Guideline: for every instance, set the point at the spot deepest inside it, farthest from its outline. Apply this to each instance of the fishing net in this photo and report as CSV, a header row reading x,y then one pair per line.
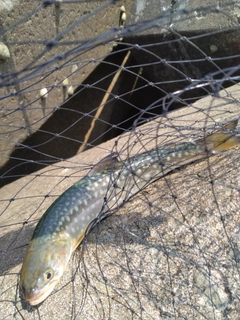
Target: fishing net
x,y
80,80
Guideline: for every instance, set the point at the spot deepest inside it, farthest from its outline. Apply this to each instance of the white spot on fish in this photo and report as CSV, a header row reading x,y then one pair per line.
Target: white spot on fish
x,y
96,194
147,176
67,218
173,155
96,184
168,158
139,171
180,155
76,208
85,202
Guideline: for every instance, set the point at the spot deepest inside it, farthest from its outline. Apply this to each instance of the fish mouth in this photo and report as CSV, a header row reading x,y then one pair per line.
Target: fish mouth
x,y
35,296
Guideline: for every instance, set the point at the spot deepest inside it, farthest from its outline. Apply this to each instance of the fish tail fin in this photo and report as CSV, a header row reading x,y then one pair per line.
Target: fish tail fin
x,y
223,139
230,143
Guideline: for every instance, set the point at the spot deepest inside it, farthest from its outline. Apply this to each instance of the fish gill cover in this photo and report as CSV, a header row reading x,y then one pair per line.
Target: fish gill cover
x,y
82,80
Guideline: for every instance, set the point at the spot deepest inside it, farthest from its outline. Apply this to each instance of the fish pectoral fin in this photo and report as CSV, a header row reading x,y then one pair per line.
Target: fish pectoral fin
x,y
79,241
106,164
85,233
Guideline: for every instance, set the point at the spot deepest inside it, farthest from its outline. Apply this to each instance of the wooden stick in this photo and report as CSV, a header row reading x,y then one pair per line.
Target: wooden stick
x,y
103,102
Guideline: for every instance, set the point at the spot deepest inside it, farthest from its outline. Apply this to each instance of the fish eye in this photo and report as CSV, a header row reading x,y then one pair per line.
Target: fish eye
x,y
48,274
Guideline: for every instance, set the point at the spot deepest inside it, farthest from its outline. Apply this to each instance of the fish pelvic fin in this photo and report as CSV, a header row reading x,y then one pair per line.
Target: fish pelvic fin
x,y
222,139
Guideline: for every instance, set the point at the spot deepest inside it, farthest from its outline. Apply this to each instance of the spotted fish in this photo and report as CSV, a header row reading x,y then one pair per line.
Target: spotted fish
x,y
111,183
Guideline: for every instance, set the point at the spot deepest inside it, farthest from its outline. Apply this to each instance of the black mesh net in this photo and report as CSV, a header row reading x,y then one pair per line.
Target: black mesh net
x,y
80,80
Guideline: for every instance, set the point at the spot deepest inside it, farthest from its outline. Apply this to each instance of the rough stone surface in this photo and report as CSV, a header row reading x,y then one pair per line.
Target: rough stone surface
x,y
171,252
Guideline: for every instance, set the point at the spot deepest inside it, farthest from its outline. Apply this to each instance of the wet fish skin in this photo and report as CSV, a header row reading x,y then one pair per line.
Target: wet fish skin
x,y
110,184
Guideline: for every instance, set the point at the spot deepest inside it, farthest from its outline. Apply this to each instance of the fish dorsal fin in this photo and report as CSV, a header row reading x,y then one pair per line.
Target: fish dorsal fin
x,y
108,163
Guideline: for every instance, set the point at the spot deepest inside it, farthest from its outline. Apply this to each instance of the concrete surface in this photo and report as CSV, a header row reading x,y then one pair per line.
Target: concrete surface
x,y
62,134
183,40
26,27
171,252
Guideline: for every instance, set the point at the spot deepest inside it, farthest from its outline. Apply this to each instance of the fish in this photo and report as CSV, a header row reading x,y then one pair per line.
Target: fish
x,y
105,188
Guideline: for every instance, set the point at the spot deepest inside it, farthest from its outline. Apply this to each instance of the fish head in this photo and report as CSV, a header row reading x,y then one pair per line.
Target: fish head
x,y
43,266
